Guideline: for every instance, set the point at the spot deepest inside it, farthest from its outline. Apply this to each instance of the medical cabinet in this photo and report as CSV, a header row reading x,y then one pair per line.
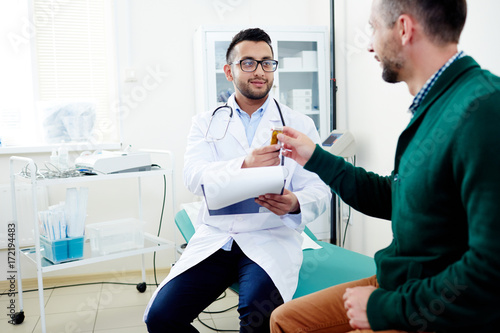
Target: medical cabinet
x,y
300,82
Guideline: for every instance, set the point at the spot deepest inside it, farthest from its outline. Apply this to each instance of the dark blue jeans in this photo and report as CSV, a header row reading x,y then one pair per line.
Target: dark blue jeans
x,y
183,298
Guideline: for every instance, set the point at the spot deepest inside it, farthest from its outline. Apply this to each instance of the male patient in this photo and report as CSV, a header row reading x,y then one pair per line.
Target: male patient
x,y
441,272
262,252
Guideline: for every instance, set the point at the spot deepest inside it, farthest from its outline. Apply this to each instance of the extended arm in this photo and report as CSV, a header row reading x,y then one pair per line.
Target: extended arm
x,y
365,191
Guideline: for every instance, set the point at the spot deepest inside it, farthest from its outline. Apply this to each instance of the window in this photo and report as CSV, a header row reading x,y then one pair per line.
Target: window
x,y
63,75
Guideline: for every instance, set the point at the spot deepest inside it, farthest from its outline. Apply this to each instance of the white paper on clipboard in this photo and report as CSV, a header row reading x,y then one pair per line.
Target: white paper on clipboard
x,y
224,189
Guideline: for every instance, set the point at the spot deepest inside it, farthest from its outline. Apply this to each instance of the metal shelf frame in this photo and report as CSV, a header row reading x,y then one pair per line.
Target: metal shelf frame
x,y
151,243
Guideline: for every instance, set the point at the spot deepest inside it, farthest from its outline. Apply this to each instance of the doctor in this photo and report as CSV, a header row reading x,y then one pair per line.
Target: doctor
x,y
262,252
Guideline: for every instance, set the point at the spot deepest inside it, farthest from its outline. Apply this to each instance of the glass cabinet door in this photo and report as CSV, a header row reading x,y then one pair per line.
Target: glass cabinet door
x,y
224,87
301,81
298,77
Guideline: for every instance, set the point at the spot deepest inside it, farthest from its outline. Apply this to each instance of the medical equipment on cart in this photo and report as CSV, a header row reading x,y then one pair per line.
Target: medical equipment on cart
x,y
108,162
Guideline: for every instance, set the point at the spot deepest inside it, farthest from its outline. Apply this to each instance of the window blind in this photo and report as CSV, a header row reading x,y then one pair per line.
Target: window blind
x,y
74,59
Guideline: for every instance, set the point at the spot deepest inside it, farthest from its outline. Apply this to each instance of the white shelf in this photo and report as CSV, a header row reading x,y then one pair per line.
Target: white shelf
x,y
298,70
309,113
151,244
90,178
72,146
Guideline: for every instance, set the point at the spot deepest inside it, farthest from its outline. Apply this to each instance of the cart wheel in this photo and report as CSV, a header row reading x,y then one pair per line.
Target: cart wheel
x,y
18,318
141,287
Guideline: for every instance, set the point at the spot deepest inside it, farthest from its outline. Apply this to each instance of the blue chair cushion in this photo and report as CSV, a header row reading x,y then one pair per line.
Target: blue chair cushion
x,y
184,225
329,266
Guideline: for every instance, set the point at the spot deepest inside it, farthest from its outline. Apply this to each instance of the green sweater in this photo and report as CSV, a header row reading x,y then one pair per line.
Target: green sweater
x,y
442,270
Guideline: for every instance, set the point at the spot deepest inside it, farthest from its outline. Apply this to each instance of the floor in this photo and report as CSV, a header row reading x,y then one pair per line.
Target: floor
x,y
104,308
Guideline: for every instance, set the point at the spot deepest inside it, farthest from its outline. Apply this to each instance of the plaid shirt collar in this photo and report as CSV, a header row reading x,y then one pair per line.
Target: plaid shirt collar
x,y
419,97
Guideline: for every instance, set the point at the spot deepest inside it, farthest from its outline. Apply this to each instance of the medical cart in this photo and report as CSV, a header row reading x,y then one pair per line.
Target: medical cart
x,y
151,242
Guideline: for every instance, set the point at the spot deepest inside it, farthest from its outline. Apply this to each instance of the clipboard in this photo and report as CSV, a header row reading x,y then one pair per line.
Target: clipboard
x,y
247,206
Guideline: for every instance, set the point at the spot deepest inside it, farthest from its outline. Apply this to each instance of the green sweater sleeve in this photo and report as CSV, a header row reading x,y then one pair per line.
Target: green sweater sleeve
x,y
364,191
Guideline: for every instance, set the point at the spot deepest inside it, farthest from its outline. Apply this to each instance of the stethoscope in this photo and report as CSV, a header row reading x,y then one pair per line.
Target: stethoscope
x,y
223,115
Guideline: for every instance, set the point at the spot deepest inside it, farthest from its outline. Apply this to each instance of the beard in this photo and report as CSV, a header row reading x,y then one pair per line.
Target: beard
x,y
246,90
392,62
390,71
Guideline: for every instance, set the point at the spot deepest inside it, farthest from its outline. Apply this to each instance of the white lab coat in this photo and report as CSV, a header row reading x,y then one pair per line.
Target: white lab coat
x,y
273,242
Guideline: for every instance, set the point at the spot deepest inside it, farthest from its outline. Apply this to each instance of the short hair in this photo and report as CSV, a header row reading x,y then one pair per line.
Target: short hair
x,y
252,34
442,20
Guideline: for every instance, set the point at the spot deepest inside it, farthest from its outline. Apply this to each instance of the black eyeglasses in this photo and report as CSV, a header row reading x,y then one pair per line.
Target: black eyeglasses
x,y
250,65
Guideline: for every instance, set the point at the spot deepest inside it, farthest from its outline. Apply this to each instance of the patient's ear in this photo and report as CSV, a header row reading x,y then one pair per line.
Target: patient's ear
x,y
406,28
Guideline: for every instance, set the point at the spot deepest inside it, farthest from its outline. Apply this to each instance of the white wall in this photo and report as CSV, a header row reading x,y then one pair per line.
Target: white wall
x,y
375,111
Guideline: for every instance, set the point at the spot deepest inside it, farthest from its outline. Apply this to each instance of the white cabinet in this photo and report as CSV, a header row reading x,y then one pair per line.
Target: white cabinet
x,y
151,242
301,81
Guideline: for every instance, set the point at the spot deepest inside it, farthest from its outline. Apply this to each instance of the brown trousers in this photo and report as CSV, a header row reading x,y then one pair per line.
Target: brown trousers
x,y
320,312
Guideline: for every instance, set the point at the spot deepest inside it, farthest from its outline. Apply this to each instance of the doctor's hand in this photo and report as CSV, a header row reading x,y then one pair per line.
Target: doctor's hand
x,y
355,302
280,204
263,156
296,145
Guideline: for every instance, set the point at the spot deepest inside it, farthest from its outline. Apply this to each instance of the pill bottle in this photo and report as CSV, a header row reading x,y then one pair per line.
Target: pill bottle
x,y
274,137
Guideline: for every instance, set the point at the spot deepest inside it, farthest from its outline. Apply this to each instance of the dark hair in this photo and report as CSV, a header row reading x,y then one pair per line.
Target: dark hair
x,y
442,20
253,34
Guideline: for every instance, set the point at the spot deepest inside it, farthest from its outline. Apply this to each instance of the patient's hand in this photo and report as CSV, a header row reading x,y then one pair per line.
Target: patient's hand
x,y
355,302
296,145
280,204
